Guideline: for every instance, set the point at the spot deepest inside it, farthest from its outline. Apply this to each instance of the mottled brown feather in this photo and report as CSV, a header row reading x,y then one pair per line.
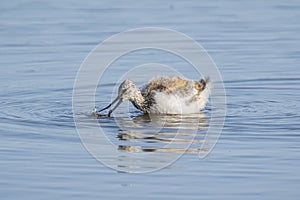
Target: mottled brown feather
x,y
167,85
200,86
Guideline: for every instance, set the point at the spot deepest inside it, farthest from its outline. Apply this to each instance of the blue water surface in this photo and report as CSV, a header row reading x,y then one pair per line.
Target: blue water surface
x,y
255,45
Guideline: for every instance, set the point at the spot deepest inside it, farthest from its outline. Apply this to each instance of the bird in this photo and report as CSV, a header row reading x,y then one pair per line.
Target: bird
x,y
164,95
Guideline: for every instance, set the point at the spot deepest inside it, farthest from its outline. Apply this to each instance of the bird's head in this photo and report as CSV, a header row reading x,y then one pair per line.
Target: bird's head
x,y
127,91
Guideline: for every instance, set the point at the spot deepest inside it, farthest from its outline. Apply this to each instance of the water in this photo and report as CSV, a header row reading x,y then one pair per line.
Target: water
x,y
256,48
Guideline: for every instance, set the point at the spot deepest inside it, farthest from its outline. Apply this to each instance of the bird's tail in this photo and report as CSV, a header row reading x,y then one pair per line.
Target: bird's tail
x,y
204,83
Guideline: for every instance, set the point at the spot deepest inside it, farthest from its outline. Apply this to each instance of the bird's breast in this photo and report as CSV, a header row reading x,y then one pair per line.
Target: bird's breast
x,y
173,104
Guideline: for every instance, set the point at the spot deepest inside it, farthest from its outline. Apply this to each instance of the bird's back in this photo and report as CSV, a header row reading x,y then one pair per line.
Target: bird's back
x,y
174,95
166,85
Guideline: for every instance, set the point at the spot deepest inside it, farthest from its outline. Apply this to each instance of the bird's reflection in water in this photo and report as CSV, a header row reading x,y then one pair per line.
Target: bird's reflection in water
x,y
162,133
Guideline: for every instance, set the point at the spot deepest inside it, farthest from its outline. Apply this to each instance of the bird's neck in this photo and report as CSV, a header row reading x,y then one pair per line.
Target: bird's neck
x,y
139,100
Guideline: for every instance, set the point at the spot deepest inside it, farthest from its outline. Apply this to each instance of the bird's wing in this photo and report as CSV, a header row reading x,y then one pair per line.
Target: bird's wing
x,y
167,85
